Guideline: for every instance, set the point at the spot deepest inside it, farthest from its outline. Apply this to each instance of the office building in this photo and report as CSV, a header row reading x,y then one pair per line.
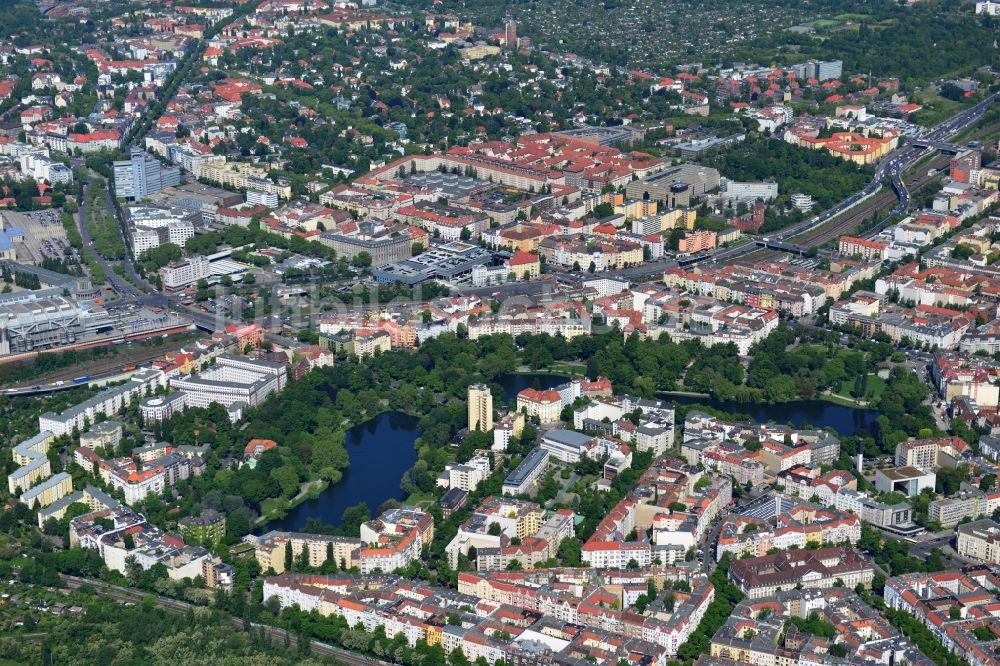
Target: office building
x,y
480,408
821,70
232,381
43,168
152,226
141,176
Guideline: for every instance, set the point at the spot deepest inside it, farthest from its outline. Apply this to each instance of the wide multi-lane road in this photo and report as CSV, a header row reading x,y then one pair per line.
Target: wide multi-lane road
x,y
889,171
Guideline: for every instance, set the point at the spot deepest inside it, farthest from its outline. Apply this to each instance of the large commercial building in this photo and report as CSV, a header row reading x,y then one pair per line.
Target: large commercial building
x,y
142,175
235,382
480,408
382,250
820,568
31,323
152,226
211,267
676,186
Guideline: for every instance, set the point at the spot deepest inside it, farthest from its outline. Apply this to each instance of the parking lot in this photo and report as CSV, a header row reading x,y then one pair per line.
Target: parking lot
x,y
44,235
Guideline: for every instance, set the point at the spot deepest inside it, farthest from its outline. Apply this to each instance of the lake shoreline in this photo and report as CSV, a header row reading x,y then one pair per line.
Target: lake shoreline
x,y
822,412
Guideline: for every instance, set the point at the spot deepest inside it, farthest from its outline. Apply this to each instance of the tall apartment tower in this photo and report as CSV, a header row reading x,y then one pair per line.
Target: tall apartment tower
x,y
142,175
510,33
480,408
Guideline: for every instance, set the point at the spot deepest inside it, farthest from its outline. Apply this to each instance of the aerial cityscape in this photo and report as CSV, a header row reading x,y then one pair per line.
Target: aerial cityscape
x,y
454,333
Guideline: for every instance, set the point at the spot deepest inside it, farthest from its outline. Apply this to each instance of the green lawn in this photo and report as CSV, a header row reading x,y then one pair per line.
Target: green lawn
x,y
420,499
562,367
936,108
875,387
823,24
273,504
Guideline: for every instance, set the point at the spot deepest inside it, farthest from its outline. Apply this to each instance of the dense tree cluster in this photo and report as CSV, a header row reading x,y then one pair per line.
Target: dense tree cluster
x,y
891,40
924,638
107,632
727,595
825,178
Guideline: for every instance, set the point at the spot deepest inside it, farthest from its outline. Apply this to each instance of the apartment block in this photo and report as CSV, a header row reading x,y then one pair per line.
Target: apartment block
x,y
48,491
467,475
274,548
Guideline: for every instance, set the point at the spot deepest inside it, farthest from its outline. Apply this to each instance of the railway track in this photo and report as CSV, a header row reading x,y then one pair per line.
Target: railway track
x,y
851,219
128,355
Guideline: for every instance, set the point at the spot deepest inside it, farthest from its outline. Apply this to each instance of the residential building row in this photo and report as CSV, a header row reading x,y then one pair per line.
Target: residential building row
x,y
392,541
552,615
669,509
956,606
802,525
762,631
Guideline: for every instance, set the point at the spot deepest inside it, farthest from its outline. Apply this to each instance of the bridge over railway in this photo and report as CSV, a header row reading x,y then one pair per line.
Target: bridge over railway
x,y
940,146
781,246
